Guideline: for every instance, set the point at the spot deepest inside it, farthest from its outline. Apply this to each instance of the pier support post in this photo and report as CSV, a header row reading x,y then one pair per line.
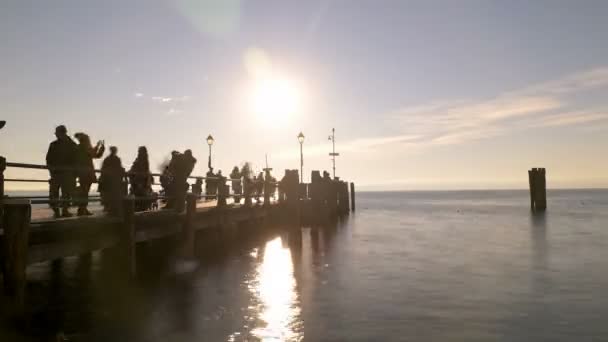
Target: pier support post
x,y
352,196
128,236
2,168
188,235
538,189
16,225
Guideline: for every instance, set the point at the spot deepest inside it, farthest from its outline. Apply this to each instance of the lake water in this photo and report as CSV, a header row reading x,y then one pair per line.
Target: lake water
x,y
407,266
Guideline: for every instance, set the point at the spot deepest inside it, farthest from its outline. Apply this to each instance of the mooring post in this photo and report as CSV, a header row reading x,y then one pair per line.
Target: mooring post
x,y
128,236
16,225
345,197
538,189
541,190
352,196
531,183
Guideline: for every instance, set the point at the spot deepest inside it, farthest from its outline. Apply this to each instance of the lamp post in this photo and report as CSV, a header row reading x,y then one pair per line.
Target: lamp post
x,y
210,141
301,140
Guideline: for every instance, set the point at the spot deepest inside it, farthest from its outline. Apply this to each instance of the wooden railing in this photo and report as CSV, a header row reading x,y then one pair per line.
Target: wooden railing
x,y
220,195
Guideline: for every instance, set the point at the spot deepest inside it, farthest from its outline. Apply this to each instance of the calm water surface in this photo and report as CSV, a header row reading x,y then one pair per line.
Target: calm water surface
x,y
411,266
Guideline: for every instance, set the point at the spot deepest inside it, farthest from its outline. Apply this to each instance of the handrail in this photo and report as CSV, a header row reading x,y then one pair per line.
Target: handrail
x,y
127,173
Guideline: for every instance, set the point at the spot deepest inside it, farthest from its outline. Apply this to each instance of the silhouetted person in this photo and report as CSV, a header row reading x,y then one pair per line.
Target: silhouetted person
x,y
166,179
237,187
141,179
111,185
184,164
197,187
86,169
259,187
171,181
222,189
247,186
61,156
269,187
210,183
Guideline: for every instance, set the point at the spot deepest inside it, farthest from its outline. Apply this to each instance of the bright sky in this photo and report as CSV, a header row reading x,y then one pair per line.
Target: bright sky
x,y
423,94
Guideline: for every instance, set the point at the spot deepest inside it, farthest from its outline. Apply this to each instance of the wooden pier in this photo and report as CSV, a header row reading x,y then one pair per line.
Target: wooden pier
x,y
26,239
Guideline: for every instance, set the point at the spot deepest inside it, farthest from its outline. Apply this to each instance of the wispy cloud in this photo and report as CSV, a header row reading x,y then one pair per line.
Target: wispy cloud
x,y
163,99
173,111
546,104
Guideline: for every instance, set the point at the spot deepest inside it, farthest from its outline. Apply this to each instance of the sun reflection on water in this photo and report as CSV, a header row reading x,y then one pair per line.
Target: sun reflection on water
x,y
274,287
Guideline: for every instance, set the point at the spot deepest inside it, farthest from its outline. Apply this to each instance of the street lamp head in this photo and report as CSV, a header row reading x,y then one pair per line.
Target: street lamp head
x,y
301,138
210,140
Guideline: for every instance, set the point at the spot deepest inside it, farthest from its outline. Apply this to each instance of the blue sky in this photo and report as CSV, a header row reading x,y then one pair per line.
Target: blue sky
x,y
423,94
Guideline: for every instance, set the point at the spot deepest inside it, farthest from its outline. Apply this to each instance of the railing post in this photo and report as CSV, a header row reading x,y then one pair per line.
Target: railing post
x,y
16,225
352,196
128,235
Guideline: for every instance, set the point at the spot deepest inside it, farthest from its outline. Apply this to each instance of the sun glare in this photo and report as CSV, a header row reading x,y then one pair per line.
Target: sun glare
x,y
275,100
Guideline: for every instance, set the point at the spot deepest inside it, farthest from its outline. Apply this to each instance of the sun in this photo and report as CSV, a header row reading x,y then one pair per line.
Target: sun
x,y
275,100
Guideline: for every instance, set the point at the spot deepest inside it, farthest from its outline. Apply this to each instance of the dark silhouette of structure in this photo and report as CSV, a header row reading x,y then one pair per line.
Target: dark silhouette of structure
x,y
61,158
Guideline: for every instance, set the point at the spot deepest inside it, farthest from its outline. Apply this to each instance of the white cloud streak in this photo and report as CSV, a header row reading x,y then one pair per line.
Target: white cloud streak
x,y
162,99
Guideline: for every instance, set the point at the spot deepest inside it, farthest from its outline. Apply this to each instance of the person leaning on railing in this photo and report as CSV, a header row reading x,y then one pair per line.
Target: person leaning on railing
x,y
61,159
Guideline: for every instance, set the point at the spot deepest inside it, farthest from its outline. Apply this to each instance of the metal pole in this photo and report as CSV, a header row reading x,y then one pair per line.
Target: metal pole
x,y
209,156
333,143
301,165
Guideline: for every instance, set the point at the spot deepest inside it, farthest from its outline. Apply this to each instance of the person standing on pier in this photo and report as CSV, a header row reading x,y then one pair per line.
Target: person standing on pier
x,y
141,179
86,169
111,183
183,166
259,187
61,156
269,186
210,183
247,186
237,187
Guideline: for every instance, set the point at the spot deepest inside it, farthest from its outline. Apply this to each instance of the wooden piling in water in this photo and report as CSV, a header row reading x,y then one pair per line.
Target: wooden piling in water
x,y
538,189
352,196
128,243
16,225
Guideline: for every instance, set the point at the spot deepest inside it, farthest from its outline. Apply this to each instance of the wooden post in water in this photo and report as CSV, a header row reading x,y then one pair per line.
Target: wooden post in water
x,y
16,225
352,196
128,236
538,189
